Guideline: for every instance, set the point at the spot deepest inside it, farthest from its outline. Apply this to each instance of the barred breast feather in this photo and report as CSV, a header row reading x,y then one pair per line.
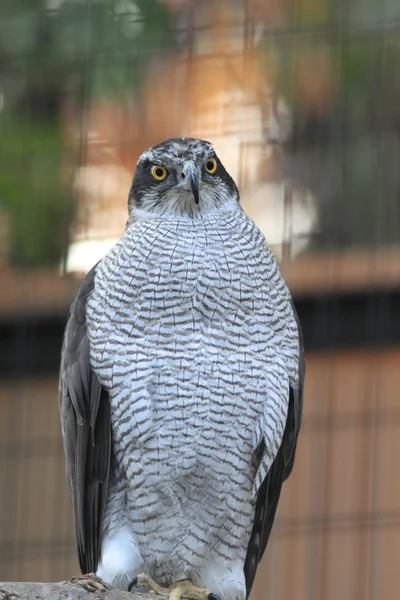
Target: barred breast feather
x,y
193,334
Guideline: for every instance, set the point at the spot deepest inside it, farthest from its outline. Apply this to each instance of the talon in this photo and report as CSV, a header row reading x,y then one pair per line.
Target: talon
x,y
133,583
144,580
186,589
176,591
90,582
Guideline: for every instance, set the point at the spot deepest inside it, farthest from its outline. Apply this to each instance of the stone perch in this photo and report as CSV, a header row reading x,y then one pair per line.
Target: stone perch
x,y
78,588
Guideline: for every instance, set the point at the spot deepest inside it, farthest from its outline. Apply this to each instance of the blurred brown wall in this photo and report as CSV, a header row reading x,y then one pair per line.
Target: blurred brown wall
x,y
337,531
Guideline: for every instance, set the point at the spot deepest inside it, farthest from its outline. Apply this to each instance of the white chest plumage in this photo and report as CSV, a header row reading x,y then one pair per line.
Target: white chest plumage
x,y
192,334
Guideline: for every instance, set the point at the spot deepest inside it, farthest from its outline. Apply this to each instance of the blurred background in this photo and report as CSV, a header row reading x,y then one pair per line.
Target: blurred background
x,y
301,99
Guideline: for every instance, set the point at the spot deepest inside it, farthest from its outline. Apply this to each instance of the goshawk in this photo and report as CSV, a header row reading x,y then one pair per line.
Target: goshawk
x,y
181,387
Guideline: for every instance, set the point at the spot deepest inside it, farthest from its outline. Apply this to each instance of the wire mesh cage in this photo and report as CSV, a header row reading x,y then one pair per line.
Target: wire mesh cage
x,y
301,101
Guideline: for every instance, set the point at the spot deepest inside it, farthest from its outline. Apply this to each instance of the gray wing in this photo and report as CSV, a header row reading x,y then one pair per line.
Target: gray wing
x,y
86,431
270,490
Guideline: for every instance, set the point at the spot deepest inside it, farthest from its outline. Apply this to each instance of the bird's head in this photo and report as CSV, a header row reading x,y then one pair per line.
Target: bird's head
x,y
180,177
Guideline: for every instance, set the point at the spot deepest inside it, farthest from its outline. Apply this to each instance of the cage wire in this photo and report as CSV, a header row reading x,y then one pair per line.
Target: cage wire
x,y
300,99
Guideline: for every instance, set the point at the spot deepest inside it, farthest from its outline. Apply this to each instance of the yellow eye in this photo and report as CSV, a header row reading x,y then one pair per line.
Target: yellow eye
x,y
159,173
211,165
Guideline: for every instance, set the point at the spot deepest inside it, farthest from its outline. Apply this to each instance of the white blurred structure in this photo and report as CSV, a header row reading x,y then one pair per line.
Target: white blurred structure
x,y
102,192
286,218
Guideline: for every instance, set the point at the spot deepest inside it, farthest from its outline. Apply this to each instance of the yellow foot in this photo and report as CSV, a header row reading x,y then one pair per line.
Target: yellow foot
x,y
90,582
144,580
186,589
176,591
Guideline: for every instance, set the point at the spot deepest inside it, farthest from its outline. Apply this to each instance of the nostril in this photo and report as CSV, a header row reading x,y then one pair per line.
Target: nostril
x,y
182,175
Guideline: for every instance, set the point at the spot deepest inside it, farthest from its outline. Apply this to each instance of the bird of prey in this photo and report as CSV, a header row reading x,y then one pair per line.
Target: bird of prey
x,y
181,387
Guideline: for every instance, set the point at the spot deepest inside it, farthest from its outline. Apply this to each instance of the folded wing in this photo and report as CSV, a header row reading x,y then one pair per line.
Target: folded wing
x,y
86,431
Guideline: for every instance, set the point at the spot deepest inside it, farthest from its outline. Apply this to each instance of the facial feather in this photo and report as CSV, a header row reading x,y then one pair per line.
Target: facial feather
x,y
149,197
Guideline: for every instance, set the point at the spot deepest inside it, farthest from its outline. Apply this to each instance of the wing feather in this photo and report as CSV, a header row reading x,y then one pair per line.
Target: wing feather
x,y
270,490
86,431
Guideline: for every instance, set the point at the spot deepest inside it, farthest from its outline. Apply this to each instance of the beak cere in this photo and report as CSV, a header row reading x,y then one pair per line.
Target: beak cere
x,y
194,185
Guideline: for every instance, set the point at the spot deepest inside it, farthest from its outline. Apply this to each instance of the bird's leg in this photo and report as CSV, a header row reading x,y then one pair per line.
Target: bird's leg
x,y
144,580
186,589
176,591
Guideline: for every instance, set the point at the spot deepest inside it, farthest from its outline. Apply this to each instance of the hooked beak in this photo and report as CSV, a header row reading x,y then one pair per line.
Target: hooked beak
x,y
194,184
191,182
